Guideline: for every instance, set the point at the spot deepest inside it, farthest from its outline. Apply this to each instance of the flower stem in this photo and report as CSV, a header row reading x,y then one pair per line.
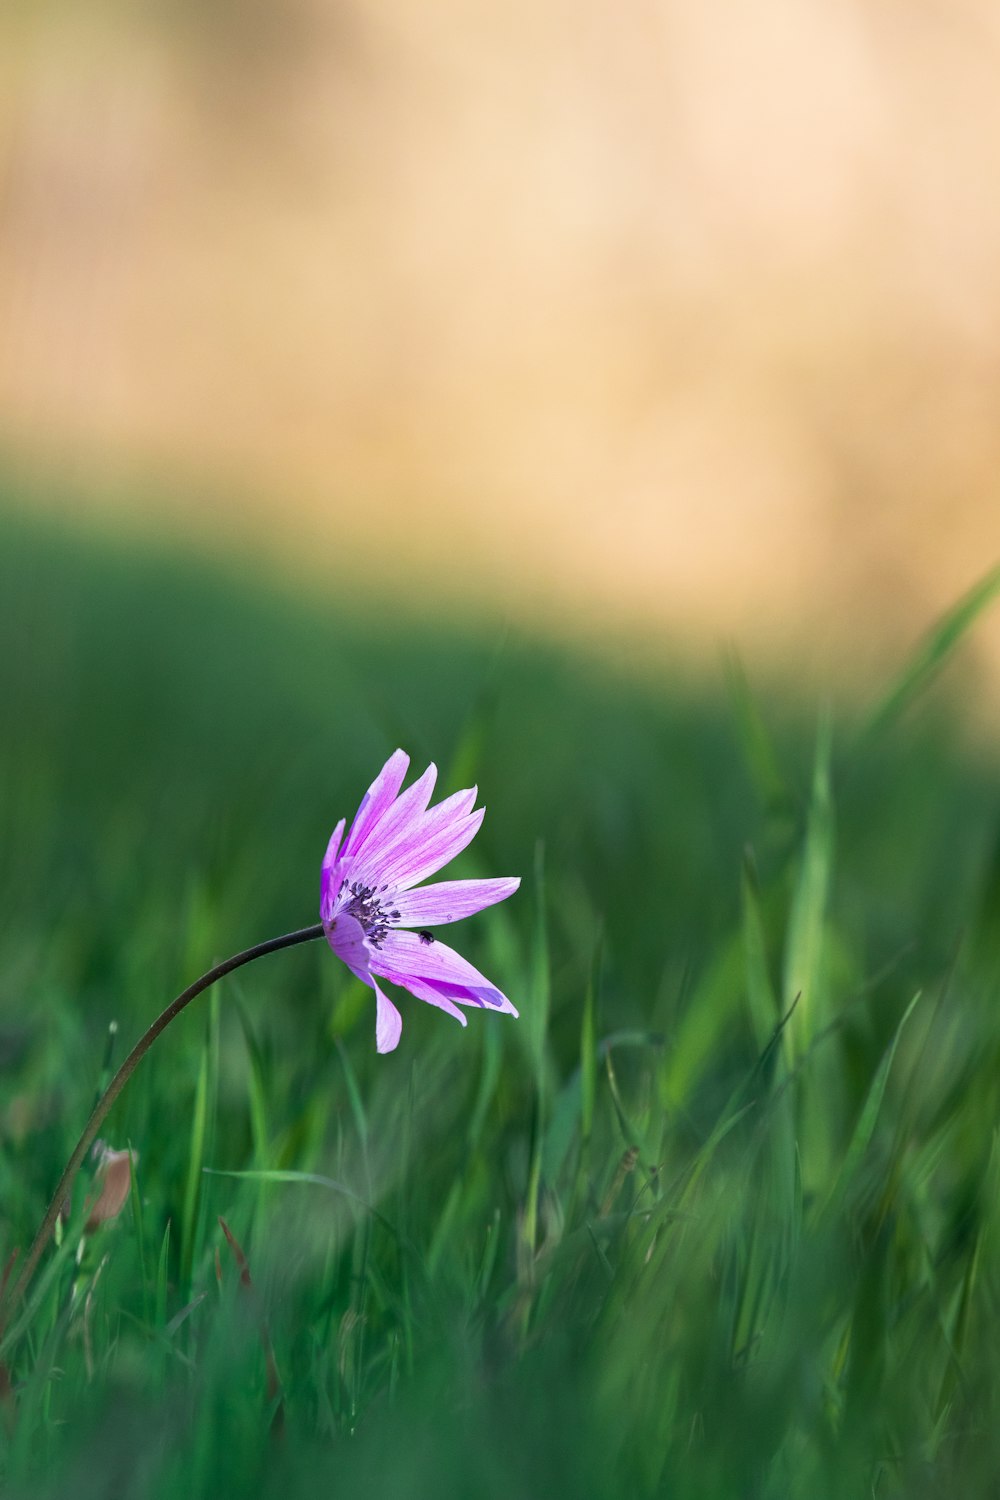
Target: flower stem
x,y
114,1088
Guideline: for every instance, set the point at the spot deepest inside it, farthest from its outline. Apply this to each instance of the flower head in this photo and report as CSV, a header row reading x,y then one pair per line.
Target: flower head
x,y
368,900
113,1180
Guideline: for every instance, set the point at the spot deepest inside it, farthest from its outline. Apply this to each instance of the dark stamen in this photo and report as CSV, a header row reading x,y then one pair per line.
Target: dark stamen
x,y
367,909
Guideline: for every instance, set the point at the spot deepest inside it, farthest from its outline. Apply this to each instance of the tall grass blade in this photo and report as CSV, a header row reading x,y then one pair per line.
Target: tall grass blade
x,y
711,1010
200,1132
761,998
163,1279
588,1049
536,1021
933,653
864,1130
804,955
755,739
259,1121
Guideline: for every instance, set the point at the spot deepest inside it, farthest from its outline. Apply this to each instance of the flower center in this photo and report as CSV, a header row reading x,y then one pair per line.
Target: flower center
x,y
366,907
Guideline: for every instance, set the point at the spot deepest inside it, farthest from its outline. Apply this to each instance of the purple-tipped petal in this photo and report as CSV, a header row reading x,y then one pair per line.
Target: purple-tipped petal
x,y
327,885
431,847
346,937
400,833
394,824
388,1023
378,798
450,900
426,991
405,956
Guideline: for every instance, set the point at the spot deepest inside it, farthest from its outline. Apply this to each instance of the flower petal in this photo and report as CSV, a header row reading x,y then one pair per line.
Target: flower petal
x,y
432,843
379,796
388,1023
405,956
346,937
450,900
327,885
406,825
426,991
394,823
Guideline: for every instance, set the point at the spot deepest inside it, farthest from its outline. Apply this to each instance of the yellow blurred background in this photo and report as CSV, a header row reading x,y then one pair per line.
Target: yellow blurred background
x,y
634,320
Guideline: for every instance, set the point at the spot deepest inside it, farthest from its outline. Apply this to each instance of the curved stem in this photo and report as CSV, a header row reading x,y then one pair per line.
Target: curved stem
x,y
114,1088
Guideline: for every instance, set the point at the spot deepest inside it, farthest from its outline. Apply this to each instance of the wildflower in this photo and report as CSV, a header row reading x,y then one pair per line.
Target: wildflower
x,y
368,901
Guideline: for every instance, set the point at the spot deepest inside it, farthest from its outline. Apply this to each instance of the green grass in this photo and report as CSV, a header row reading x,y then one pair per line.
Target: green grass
x,y
718,1216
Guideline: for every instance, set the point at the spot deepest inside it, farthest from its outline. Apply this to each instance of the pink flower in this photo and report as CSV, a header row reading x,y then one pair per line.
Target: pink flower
x,y
368,900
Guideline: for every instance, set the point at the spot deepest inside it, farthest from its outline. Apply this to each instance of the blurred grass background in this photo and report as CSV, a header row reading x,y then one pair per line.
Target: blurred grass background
x,y
459,378
716,1216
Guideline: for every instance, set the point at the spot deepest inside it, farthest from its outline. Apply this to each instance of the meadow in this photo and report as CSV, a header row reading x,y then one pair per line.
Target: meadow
x,y
716,1217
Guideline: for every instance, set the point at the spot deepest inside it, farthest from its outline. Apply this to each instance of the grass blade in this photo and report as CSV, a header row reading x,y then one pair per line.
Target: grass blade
x,y
755,740
200,1130
865,1127
803,976
933,652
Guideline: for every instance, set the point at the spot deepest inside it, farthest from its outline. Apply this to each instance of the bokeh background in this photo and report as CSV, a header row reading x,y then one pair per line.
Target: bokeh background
x,y
637,329
666,320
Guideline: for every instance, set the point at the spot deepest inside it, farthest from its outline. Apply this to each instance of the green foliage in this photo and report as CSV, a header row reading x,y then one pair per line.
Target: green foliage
x,y
717,1217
